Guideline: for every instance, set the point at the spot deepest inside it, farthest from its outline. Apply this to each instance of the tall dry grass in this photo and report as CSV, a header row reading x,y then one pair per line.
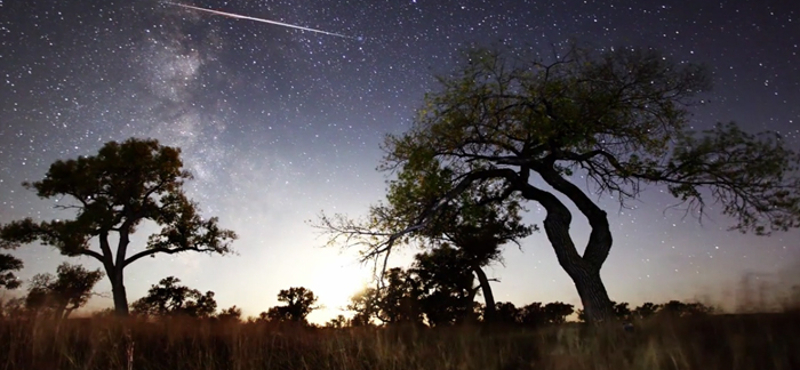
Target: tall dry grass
x,y
731,342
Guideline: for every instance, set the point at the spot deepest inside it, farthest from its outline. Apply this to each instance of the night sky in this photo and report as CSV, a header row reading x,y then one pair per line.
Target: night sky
x,y
279,124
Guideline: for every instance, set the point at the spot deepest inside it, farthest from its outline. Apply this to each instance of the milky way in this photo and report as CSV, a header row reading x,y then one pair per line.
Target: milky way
x,y
278,125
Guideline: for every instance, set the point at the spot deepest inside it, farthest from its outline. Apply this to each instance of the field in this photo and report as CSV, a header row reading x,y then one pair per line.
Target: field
x,y
755,341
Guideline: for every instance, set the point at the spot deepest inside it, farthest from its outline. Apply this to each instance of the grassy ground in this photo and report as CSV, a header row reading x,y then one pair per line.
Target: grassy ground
x,y
715,342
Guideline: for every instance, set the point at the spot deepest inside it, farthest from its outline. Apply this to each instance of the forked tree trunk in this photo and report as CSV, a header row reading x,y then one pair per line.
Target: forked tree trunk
x,y
585,274
584,270
597,306
488,296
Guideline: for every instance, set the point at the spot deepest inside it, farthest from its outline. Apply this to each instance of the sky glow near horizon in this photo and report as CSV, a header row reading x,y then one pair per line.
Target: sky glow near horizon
x,y
278,124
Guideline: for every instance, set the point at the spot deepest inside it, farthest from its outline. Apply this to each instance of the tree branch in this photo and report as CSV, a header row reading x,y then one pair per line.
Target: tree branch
x,y
152,251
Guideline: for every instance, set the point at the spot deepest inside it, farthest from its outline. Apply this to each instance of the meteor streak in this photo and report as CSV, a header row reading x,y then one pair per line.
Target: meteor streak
x,y
237,16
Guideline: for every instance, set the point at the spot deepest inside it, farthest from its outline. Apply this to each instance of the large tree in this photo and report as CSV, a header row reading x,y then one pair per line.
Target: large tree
x,y
112,193
63,293
618,118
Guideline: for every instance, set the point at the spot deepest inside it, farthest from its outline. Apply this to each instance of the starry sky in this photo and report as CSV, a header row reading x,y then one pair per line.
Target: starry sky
x,y
278,124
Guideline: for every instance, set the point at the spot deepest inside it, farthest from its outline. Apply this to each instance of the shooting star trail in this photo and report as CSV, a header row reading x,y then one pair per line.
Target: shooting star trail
x,y
237,16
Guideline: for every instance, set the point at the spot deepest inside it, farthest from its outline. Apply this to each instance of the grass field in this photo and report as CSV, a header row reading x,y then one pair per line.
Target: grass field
x,y
757,341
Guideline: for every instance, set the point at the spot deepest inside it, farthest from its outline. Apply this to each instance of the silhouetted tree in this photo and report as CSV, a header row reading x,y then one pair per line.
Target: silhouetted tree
x,y
64,293
113,192
646,310
557,312
676,308
299,303
619,117
471,224
230,314
621,310
366,305
446,287
337,322
507,313
536,314
533,315
167,298
397,300
9,264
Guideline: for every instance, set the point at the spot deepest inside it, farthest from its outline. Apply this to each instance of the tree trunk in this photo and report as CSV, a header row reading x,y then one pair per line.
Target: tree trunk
x,y
585,275
584,271
488,296
118,290
597,306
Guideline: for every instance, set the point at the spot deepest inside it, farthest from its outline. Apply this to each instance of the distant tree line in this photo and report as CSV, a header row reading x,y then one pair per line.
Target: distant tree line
x,y
435,292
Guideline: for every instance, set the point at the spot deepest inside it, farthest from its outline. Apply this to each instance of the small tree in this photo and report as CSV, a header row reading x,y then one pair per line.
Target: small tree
x,y
507,313
557,312
337,322
676,308
230,314
113,193
299,303
646,310
445,280
167,298
396,300
9,264
64,293
621,310
472,224
366,307
533,315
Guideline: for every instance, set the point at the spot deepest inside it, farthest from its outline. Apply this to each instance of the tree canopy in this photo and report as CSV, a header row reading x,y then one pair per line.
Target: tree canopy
x,y
299,302
618,118
9,264
446,285
64,293
167,298
112,193
396,300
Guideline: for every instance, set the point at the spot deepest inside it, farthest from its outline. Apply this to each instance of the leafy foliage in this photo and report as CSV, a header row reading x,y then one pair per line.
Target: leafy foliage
x,y
671,309
299,302
230,314
646,310
445,282
498,127
396,301
337,322
621,310
64,293
167,298
9,264
113,192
